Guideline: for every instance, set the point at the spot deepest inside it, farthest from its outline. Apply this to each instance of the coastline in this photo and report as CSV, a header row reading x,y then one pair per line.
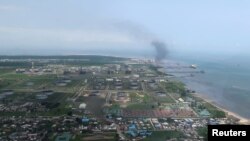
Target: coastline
x,y
242,120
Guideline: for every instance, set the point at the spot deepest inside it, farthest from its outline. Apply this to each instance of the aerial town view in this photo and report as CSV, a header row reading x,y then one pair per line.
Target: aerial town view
x,y
71,98
124,70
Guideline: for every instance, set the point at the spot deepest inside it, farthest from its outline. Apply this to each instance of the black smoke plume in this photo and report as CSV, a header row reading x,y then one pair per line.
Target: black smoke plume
x,y
140,33
161,50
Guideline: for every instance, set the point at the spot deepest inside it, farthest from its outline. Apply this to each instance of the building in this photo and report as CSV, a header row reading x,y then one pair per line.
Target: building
x,y
85,120
63,137
132,130
82,106
41,96
161,94
122,97
204,113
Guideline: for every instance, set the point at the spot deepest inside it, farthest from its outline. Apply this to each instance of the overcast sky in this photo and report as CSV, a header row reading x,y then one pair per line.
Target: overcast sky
x,y
115,26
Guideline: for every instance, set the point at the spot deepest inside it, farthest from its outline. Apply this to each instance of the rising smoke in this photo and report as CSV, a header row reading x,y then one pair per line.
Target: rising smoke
x,y
140,33
161,50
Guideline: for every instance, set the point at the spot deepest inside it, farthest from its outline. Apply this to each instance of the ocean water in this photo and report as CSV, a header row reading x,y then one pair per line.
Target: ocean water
x,y
226,81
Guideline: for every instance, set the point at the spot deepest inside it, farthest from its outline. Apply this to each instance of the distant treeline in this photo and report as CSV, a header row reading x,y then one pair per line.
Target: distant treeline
x,y
91,57
25,61
15,64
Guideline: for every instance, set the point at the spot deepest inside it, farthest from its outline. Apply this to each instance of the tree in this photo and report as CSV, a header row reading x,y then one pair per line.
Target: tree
x,y
70,113
159,104
183,94
153,106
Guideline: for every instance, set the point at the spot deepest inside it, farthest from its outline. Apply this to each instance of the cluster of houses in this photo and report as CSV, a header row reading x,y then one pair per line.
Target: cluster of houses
x,y
6,93
34,70
26,107
62,81
121,97
22,129
42,95
38,128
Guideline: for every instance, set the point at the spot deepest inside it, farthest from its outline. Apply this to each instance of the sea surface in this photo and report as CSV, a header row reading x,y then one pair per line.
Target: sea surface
x,y
226,80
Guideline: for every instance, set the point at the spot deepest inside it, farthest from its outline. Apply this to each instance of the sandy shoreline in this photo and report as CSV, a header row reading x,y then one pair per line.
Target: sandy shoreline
x,y
242,120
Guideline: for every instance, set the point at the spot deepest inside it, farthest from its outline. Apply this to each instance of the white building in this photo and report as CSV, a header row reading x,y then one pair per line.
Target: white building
x,y
82,106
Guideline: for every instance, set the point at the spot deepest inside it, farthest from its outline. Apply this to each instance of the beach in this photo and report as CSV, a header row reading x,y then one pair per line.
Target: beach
x,y
242,120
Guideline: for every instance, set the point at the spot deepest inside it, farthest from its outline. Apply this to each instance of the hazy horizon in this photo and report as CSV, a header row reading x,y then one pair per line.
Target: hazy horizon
x,y
113,27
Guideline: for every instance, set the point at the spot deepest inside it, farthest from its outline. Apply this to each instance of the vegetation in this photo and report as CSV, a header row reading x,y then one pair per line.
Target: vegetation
x,y
164,135
92,57
10,114
14,64
155,68
202,131
106,136
175,87
141,106
60,110
67,60
215,112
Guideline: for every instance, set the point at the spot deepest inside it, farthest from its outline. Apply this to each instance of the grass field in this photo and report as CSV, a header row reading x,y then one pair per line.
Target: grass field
x,y
202,131
214,111
106,136
141,106
164,135
165,99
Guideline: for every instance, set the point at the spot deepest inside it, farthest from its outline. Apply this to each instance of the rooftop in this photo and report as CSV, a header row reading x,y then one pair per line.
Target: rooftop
x,y
63,137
